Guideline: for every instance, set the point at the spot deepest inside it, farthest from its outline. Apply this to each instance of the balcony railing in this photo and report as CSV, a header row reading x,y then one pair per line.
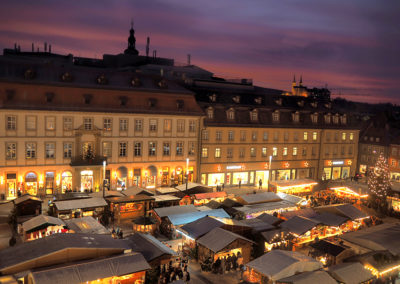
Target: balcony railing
x,y
80,161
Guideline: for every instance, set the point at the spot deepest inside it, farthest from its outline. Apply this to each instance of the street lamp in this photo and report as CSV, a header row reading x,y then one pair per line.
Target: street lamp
x,y
104,177
269,171
187,172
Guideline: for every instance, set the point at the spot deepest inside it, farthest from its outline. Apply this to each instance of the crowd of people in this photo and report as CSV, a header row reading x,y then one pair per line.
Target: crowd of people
x,y
169,273
225,264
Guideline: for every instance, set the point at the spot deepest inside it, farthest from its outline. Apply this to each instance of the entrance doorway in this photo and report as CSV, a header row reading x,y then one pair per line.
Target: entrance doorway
x,y
86,180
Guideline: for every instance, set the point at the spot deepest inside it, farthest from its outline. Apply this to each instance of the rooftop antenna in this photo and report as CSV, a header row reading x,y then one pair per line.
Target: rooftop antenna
x,y
33,47
49,48
45,46
188,59
131,23
147,46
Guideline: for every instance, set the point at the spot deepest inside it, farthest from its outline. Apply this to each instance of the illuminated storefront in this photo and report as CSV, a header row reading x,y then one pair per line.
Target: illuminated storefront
x,y
86,180
242,177
11,184
263,176
165,176
296,187
216,179
121,176
49,182
151,177
336,169
31,184
137,173
66,181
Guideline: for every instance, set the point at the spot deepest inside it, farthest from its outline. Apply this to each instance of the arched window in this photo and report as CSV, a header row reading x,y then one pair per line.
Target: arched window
x,y
275,116
210,113
254,115
231,114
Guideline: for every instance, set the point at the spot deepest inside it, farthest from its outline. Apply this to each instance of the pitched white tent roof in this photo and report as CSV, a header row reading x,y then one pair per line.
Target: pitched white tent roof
x,y
350,273
278,264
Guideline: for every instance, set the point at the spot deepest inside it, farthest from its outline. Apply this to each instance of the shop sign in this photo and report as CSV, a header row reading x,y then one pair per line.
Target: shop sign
x,y
335,163
234,167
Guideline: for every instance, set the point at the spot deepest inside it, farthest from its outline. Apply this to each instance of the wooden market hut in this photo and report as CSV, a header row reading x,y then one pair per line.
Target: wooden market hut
x,y
75,208
204,198
329,253
144,224
87,225
41,226
219,243
130,207
27,205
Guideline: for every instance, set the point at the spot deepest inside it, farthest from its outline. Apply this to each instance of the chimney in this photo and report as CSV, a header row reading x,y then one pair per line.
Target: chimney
x,y
38,49
154,53
188,59
147,46
49,48
45,46
15,46
33,48
19,48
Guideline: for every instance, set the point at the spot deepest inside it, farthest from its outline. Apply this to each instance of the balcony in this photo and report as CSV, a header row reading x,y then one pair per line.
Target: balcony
x,y
80,161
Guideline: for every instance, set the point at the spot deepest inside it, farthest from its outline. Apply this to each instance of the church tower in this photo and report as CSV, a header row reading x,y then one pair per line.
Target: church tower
x,y
294,85
131,42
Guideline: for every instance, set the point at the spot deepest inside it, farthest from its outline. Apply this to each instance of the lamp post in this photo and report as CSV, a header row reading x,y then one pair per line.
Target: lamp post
x,y
187,172
269,171
104,177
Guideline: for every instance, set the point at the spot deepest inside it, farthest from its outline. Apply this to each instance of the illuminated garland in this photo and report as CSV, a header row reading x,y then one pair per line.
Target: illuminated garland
x,y
379,178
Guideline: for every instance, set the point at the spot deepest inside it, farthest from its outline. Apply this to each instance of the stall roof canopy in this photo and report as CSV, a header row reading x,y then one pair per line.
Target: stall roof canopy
x,y
131,198
291,198
201,227
329,219
165,198
293,182
149,246
87,225
166,190
262,197
269,206
327,247
318,276
299,225
191,185
305,212
377,238
13,257
350,273
356,187
41,221
185,218
91,270
214,204
80,203
172,210
344,210
26,197
208,195
271,235
258,225
229,203
278,264
217,239
272,220
107,193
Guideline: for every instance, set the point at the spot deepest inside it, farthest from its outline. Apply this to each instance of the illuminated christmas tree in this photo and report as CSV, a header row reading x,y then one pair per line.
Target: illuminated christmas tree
x,y
379,180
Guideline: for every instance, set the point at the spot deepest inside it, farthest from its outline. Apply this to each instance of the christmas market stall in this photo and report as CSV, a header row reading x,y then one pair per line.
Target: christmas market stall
x,y
278,264
130,207
329,253
144,224
257,198
296,187
154,251
204,198
87,225
303,229
254,210
27,205
198,228
220,243
41,226
278,238
352,272
165,200
76,208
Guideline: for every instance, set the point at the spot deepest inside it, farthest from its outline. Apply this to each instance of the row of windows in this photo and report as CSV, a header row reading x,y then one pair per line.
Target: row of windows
x,y
50,124
328,118
265,136
50,149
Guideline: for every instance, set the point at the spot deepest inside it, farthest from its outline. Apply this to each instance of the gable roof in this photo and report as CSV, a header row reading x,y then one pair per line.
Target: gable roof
x,y
208,195
344,210
41,221
217,239
299,225
148,246
268,218
291,198
305,212
213,204
185,218
329,219
91,270
327,247
258,225
350,273
268,206
87,225
309,277
278,264
262,197
200,227
172,210
26,197
14,257
80,203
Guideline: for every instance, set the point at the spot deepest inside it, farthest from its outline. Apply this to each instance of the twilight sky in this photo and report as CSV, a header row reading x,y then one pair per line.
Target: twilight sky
x,y
352,46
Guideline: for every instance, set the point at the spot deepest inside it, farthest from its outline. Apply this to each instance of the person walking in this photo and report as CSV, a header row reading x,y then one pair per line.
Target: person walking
x,y
187,278
240,182
260,184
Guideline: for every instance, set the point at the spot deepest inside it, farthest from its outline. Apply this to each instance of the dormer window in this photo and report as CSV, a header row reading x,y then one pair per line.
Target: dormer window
x,y
29,74
123,100
135,82
152,102
66,77
314,118
296,117
230,114
179,104
102,80
10,94
343,119
87,98
314,104
279,101
162,84
258,100
236,99
300,103
254,115
377,139
210,113
49,97
213,98
328,105
275,116
336,119
328,118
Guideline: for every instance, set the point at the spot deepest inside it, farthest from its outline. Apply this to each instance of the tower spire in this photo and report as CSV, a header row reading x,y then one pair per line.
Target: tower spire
x,y
294,78
131,42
